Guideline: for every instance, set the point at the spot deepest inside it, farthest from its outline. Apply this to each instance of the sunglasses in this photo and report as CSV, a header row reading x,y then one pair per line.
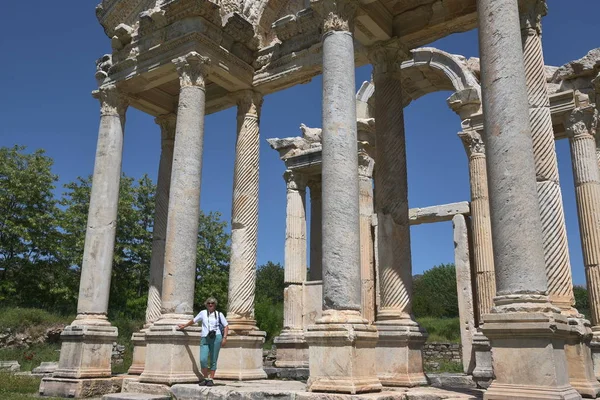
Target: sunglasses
x,y
210,304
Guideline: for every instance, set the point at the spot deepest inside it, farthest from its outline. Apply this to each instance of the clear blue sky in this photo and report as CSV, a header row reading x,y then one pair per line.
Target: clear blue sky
x,y
48,63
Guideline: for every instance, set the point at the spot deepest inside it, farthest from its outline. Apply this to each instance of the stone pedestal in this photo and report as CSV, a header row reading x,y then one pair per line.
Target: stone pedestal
x,y
399,357
172,356
241,359
483,372
138,339
79,388
537,340
579,358
595,350
292,350
342,354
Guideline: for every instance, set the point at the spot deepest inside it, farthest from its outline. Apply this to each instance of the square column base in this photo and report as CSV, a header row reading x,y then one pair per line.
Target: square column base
x,y
78,388
528,355
86,351
139,353
292,350
241,358
172,356
399,354
342,355
483,372
595,350
579,358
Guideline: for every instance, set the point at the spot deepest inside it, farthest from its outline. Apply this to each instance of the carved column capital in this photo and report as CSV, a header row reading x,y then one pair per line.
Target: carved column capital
x,y
315,184
582,121
338,15
168,125
473,142
192,69
531,13
294,180
112,101
387,57
365,165
249,102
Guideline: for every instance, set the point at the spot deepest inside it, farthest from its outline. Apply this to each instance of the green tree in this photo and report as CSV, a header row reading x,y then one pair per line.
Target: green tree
x,y
581,300
434,293
269,299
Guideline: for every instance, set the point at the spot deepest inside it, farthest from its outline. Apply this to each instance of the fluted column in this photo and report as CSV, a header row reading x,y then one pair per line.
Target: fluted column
x,y
400,337
244,214
523,324
483,252
292,350
86,345
367,260
316,242
341,325
556,251
170,352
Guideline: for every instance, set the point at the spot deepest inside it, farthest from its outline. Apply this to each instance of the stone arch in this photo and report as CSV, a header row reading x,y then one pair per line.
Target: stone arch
x,y
262,14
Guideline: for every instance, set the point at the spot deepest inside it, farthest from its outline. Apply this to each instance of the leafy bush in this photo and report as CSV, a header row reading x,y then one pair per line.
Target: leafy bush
x,y
33,320
581,300
269,318
434,293
441,329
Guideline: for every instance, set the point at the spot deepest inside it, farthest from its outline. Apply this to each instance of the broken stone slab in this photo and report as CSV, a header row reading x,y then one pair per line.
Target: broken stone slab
x,y
45,368
299,374
444,212
135,396
10,366
450,380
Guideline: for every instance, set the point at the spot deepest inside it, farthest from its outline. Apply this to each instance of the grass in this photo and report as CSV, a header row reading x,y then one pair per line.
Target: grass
x,y
31,320
19,387
444,330
445,366
33,356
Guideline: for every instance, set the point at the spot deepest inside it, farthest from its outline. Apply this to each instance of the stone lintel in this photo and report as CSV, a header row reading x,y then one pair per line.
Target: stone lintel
x,y
439,213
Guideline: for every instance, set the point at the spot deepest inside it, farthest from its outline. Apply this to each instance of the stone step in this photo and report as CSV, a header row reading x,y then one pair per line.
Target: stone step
x,y
135,396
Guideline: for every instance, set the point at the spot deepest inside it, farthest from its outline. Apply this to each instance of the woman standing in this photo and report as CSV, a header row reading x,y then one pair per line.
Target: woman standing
x,y
212,338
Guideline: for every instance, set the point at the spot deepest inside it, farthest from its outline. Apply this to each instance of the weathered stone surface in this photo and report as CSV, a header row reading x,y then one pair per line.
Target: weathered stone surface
x,y
449,380
69,388
133,385
134,396
300,374
45,368
583,66
440,213
11,366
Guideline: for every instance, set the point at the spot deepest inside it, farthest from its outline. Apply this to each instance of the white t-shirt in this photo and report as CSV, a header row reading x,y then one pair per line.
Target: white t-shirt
x,y
210,322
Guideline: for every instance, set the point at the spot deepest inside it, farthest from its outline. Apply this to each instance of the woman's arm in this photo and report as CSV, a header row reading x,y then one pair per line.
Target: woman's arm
x,y
183,326
225,334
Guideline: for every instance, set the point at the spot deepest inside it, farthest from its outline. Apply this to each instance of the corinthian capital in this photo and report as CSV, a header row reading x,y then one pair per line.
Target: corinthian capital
x,y
112,101
582,121
168,125
531,13
387,57
193,69
338,15
472,141
249,102
365,165
294,180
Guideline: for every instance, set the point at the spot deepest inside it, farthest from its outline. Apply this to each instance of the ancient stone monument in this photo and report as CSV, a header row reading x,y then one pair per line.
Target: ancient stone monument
x,y
351,321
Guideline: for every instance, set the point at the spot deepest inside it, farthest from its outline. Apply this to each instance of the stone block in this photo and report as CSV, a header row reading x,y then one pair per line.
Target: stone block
x,y
579,358
138,339
135,396
292,350
399,355
86,351
45,368
79,388
342,358
299,374
133,385
11,366
241,358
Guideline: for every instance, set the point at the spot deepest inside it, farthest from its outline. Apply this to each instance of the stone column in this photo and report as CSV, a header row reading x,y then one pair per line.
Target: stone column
x,y
292,350
241,359
581,127
367,260
86,347
335,363
167,125
524,325
171,354
316,242
400,337
464,289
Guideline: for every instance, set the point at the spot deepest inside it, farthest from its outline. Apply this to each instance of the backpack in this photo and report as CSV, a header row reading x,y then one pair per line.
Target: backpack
x,y
221,327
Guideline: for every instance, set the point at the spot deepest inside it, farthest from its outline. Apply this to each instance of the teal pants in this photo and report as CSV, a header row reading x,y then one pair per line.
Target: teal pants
x,y
210,347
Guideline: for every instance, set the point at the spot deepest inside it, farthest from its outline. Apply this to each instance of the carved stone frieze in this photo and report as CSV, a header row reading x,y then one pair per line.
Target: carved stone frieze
x,y
193,69
112,101
338,15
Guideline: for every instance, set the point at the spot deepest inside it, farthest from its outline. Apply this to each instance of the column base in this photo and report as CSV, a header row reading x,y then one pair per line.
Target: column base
x,y
399,353
528,352
78,388
579,358
172,356
241,358
342,354
139,353
595,350
483,374
292,350
86,351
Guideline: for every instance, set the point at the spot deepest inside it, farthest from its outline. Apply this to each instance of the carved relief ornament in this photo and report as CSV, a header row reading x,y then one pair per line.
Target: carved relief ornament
x,y
531,13
388,57
249,102
294,180
112,101
338,15
473,142
192,69
582,121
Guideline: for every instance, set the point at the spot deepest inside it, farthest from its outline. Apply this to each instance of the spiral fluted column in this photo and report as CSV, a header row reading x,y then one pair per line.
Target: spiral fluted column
x,y
367,260
316,226
483,251
244,214
556,251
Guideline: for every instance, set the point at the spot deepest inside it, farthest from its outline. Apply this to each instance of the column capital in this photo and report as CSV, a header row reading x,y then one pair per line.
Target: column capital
x,y
338,15
192,69
294,180
387,57
531,13
315,184
112,101
168,125
472,141
248,102
582,121
365,165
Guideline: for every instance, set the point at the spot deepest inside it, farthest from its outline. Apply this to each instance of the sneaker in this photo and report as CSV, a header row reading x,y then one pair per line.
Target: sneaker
x,y
203,382
210,383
